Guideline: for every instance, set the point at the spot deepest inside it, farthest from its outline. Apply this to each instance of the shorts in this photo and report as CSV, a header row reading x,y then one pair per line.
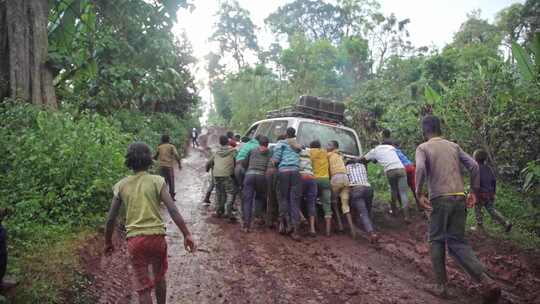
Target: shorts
x,y
145,251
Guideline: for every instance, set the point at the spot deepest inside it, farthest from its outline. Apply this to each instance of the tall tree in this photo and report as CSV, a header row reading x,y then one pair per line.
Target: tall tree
x,y
235,32
121,54
24,69
313,19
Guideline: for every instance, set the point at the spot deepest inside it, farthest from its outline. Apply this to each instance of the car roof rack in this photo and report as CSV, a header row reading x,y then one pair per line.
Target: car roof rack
x,y
313,108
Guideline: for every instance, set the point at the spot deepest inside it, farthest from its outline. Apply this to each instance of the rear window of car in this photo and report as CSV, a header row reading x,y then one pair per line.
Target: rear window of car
x,y
272,129
308,132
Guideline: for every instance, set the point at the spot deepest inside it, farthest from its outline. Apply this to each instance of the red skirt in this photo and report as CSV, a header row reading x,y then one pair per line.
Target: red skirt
x,y
145,251
411,176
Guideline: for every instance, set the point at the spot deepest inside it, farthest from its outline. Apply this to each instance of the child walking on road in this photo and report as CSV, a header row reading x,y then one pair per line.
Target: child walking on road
x,y
141,194
486,196
439,162
167,155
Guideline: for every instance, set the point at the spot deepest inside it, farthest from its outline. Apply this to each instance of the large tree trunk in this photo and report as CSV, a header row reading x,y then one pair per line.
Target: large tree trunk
x,y
23,52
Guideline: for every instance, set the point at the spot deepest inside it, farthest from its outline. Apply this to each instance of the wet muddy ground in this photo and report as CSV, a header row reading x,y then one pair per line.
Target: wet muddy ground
x,y
265,267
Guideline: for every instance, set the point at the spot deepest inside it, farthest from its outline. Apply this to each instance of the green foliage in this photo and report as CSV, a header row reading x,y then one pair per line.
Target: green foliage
x,y
531,182
120,55
57,170
244,97
529,68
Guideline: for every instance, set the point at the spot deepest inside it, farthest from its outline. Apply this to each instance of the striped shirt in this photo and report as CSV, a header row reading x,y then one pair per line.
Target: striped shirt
x,y
357,175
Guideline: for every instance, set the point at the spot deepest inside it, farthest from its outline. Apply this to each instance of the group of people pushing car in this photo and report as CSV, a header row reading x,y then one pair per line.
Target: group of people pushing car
x,y
300,175
297,176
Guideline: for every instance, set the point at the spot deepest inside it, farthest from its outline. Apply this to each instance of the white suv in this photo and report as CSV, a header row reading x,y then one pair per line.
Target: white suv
x,y
308,130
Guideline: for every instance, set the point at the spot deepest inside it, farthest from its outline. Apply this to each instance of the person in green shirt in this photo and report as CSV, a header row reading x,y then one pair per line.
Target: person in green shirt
x,y
142,194
222,165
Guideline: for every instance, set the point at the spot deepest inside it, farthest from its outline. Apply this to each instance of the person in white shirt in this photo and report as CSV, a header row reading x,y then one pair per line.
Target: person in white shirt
x,y
361,195
395,172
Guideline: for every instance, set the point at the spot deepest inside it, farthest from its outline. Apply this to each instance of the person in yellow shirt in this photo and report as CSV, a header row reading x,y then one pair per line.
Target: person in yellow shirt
x,y
142,194
167,156
339,182
319,160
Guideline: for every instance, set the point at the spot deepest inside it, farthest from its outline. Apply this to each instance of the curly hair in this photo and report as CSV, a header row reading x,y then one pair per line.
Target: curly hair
x,y
165,138
138,156
480,156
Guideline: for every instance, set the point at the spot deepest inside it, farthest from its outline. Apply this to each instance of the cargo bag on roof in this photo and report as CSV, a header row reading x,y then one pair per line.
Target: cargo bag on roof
x,y
313,107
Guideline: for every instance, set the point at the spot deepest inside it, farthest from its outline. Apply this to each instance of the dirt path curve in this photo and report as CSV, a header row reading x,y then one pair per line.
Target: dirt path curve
x,y
265,267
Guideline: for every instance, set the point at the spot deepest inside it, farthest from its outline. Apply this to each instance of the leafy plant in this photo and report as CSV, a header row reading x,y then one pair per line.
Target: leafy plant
x,y
529,68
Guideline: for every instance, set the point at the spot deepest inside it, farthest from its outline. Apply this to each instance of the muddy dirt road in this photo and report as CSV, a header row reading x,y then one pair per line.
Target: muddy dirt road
x,y
264,267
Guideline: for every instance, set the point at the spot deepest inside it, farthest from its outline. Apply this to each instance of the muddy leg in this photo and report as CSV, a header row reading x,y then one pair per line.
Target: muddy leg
x,y
328,225
221,195
161,291
394,193
496,215
283,201
337,214
478,214
312,231
336,189
145,297
351,225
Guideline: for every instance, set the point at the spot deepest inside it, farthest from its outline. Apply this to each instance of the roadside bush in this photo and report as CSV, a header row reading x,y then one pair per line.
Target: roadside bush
x,y
57,171
149,127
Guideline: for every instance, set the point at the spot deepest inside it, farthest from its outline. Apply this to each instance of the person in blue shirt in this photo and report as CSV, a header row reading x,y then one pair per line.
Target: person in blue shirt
x,y
410,169
287,160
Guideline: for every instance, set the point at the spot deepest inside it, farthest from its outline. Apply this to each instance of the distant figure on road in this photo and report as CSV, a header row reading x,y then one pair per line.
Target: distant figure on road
x,y
439,162
167,155
194,138
142,194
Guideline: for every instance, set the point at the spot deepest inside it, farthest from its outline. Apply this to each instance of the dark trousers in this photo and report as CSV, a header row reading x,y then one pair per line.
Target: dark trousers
x,y
194,142
361,199
254,190
211,185
447,229
289,196
168,174
309,195
272,210
225,190
3,252
489,204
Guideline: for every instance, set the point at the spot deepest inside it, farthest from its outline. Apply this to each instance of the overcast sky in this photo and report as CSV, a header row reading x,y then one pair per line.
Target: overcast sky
x,y
433,22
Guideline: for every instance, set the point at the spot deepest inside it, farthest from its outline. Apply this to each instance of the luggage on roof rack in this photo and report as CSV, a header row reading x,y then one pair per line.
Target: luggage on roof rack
x,y
314,108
